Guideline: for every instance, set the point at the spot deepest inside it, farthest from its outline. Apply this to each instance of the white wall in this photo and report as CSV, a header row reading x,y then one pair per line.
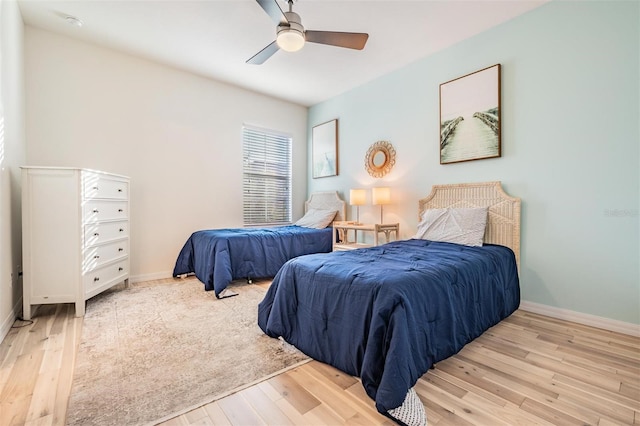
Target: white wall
x,y
177,135
570,146
12,154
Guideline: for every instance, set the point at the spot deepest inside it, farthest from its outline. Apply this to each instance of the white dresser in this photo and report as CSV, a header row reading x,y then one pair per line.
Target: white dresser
x,y
75,235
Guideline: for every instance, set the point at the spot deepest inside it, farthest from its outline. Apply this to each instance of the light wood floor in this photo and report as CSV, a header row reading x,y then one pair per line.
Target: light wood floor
x,y
527,370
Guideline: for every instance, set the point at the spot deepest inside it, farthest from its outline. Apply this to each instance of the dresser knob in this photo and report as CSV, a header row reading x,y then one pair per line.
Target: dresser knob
x,y
96,279
96,257
121,269
120,210
95,210
120,249
95,188
119,189
121,230
95,234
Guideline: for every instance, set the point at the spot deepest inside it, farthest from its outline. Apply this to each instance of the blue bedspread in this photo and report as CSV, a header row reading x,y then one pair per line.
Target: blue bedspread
x,y
220,256
387,313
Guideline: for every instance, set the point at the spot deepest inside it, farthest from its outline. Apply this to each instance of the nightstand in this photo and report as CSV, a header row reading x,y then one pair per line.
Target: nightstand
x,y
347,234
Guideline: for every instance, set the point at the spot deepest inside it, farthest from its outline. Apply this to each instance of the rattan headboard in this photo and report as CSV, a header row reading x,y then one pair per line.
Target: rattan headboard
x,y
328,200
503,220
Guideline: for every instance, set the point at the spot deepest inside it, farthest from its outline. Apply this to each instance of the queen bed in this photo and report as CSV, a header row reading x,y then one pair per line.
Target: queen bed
x,y
219,256
388,313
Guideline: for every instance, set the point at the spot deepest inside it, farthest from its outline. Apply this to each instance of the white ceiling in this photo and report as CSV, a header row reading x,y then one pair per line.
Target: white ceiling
x,y
214,38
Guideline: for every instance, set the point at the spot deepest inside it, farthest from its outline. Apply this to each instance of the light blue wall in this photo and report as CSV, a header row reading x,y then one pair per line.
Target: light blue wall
x,y
570,146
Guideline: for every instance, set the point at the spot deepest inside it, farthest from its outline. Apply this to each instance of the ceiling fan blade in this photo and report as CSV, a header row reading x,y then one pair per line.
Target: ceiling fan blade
x,y
333,38
264,54
273,10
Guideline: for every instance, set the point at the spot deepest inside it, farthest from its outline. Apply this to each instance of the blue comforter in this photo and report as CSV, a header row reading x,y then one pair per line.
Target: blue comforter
x,y
220,256
388,313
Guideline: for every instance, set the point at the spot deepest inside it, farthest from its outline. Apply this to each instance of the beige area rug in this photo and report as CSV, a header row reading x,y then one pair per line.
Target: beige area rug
x,y
162,347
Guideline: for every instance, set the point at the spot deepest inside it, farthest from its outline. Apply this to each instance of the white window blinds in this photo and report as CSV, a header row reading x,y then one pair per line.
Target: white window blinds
x,y
266,177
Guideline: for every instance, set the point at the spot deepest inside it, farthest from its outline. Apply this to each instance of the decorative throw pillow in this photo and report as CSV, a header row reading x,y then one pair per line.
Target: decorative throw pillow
x,y
317,218
411,412
461,226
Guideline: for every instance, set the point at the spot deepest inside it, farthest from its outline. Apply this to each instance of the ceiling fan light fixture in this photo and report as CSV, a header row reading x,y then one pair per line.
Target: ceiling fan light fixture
x,y
290,39
291,35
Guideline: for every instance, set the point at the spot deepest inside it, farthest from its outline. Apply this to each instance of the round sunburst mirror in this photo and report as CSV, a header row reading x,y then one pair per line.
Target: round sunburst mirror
x,y
380,158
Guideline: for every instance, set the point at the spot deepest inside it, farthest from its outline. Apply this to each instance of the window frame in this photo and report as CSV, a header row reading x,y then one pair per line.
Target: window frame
x,y
266,176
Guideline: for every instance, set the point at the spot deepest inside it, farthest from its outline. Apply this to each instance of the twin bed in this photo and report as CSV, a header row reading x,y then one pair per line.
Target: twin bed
x,y
388,313
219,256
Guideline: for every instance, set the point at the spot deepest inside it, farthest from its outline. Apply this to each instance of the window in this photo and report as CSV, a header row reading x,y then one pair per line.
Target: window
x,y
266,177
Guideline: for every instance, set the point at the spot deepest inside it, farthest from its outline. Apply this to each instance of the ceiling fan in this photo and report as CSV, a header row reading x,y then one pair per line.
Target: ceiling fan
x,y
291,35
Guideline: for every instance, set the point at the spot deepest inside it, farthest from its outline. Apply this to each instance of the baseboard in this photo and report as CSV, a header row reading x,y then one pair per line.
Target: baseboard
x,y
149,277
7,323
580,318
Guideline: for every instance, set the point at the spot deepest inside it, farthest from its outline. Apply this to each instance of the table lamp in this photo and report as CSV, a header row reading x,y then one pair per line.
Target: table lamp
x,y
381,196
357,197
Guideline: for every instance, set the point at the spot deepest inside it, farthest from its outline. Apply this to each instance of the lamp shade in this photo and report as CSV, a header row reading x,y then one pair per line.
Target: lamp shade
x,y
290,39
381,196
357,197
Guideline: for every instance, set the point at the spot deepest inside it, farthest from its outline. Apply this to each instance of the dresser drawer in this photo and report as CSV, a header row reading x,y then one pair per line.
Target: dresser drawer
x,y
101,278
96,210
101,232
96,256
104,187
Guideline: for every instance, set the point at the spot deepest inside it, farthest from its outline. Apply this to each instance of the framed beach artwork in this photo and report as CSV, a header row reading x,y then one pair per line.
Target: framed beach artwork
x,y
470,117
324,150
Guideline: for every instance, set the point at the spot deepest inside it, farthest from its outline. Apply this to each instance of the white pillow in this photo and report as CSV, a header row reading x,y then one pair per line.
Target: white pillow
x,y
461,226
317,218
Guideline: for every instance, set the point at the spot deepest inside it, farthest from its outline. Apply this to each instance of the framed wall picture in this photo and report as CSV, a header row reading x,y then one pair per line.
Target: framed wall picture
x,y
324,150
470,117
